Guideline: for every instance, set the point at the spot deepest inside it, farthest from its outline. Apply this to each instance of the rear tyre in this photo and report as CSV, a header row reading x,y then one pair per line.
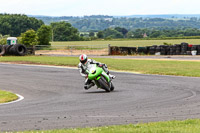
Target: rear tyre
x,y
104,84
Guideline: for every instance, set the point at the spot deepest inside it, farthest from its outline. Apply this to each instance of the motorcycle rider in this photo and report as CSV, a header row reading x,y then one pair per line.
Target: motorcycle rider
x,y
82,66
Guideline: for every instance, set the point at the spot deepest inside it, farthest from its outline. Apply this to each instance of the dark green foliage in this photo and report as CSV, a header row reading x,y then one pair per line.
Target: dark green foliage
x,y
112,33
100,34
63,31
44,35
91,34
122,30
15,24
29,38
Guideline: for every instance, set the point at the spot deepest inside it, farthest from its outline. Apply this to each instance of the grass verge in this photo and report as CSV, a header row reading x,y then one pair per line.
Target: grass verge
x,y
7,96
161,67
187,126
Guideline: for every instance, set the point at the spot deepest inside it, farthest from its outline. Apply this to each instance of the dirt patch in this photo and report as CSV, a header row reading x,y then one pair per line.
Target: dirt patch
x,y
72,52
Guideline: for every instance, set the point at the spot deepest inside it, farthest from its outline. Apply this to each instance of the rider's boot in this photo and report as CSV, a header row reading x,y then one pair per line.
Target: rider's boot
x,y
88,86
112,76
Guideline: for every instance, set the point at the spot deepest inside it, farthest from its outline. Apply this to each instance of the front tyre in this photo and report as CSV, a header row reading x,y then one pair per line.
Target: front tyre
x,y
112,87
104,84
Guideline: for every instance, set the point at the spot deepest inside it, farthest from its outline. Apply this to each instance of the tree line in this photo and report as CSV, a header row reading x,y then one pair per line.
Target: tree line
x,y
32,31
119,32
101,22
15,24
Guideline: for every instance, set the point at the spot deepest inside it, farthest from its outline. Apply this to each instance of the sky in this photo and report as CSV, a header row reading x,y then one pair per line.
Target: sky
x,y
99,7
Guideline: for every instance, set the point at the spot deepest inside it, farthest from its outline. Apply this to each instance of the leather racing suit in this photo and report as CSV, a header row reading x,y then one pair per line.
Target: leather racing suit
x,y
83,67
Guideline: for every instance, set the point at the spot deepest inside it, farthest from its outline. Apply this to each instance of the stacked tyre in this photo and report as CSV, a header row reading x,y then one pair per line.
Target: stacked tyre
x,y
142,50
152,50
132,50
124,50
158,49
198,49
184,48
178,49
172,50
163,49
18,50
194,47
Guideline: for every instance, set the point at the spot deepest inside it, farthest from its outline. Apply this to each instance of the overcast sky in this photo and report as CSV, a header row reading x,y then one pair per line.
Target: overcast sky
x,y
99,7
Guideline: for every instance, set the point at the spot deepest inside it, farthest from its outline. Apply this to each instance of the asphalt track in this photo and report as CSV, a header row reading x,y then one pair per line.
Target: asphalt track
x,y
54,98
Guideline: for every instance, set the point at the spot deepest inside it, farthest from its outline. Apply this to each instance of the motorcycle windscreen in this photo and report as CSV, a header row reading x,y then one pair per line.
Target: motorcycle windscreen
x,y
98,71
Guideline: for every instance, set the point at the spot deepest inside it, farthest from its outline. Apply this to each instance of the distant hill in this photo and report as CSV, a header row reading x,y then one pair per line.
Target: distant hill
x,y
132,22
163,16
128,16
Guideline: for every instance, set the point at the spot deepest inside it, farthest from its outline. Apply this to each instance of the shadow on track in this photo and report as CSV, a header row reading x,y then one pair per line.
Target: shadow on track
x,y
96,92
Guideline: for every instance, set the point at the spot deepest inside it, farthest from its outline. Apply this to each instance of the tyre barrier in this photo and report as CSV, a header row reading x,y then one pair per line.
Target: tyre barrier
x,y
176,49
122,50
17,49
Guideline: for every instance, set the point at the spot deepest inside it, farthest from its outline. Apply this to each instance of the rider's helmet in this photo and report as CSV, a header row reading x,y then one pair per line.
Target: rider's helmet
x,y
83,58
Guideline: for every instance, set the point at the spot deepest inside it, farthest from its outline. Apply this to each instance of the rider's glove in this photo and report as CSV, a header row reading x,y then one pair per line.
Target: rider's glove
x,y
100,65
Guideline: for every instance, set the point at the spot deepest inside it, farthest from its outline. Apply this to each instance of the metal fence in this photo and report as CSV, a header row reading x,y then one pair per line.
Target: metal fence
x,y
72,49
67,47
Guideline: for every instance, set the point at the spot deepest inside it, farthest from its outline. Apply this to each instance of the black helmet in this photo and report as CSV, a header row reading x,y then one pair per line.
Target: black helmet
x,y
83,58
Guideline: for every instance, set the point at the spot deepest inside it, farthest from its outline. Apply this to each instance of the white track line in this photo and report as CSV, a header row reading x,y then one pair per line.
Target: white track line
x,y
19,99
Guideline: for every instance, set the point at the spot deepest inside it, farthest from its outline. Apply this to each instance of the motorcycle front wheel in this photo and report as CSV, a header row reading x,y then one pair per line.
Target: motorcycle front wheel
x,y
104,84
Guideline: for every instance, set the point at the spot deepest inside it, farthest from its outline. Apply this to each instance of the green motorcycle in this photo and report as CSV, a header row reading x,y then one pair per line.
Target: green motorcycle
x,y
101,79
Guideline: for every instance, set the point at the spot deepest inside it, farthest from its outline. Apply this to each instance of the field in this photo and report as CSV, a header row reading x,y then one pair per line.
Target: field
x,y
100,47
130,43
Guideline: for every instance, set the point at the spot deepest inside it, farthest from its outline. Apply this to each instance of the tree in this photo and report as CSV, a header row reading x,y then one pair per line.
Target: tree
x,y
155,34
15,24
112,33
100,34
29,38
91,34
130,34
138,33
63,31
3,41
44,35
122,30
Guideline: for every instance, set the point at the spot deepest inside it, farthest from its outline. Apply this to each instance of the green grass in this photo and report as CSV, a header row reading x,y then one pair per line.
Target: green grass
x,y
130,43
163,67
46,60
187,126
7,96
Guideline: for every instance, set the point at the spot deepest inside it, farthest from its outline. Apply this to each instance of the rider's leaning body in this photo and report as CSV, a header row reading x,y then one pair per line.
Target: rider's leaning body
x,y
83,65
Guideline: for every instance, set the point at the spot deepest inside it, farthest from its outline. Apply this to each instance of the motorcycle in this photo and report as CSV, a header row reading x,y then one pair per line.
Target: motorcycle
x,y
100,78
